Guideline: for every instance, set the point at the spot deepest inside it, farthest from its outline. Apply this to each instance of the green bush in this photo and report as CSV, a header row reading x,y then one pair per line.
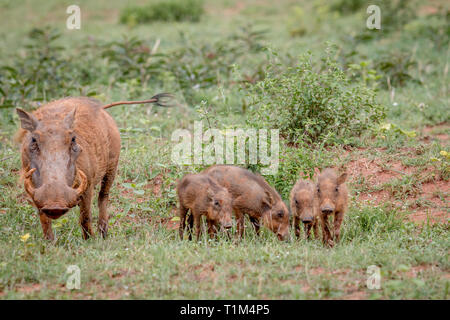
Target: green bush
x,y
44,72
172,10
434,27
395,67
394,15
199,65
131,58
347,6
314,105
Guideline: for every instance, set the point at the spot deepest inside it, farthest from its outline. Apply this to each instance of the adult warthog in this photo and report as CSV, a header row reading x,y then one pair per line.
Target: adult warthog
x,y
68,147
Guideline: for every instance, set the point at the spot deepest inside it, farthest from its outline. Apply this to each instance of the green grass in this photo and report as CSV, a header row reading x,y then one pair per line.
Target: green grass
x,y
144,260
222,54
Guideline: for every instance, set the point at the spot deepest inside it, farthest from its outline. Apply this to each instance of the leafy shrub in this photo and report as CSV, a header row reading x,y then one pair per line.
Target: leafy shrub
x,y
43,72
37,72
363,71
435,27
388,69
171,10
395,67
394,15
132,58
314,105
198,65
347,6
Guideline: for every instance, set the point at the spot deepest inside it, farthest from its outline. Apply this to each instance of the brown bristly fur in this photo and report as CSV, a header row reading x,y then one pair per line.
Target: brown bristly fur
x,y
304,206
254,197
332,196
99,140
199,194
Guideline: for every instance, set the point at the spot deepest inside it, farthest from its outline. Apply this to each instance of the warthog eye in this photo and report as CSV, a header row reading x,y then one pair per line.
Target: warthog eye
x,y
216,203
280,214
33,145
74,145
337,189
318,189
296,202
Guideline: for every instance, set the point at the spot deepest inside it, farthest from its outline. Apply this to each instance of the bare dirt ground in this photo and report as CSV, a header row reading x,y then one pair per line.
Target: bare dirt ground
x,y
380,177
424,200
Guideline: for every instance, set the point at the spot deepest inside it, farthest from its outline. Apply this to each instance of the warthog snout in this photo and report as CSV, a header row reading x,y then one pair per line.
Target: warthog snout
x,y
283,237
307,219
54,212
55,200
327,210
228,225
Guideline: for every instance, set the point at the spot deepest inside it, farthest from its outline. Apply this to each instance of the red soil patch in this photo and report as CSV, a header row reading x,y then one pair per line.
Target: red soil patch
x,y
129,194
29,288
169,224
430,193
442,135
204,272
414,272
118,274
155,185
373,172
432,215
317,271
376,197
425,201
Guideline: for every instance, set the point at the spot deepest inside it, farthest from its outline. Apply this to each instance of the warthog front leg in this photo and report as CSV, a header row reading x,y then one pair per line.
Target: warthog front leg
x,y
297,226
46,224
238,204
338,217
307,228
212,229
316,228
183,212
85,213
198,225
256,224
103,199
327,240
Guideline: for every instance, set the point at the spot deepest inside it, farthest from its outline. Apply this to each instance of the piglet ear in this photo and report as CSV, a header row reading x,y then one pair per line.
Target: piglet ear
x,y
210,194
316,173
342,178
27,120
267,201
70,118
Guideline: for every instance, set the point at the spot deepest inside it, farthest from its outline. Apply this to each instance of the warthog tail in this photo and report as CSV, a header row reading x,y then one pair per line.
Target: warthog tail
x,y
155,99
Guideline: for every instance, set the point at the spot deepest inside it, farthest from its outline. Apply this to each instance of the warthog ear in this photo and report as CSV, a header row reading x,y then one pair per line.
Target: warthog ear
x,y
27,120
342,178
268,200
316,173
210,194
69,119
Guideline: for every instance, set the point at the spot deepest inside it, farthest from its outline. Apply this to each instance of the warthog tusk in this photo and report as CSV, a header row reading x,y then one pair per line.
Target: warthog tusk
x,y
28,184
83,182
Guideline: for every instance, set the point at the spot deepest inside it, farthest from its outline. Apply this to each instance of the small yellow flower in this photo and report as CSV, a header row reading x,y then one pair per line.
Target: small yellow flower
x,y
25,237
445,154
